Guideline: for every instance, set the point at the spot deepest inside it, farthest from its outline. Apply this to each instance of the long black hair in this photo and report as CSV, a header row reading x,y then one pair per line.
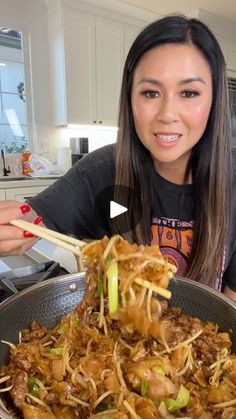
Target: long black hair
x,y
210,158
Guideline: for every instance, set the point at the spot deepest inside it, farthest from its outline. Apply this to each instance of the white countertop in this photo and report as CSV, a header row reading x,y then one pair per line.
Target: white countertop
x,y
24,183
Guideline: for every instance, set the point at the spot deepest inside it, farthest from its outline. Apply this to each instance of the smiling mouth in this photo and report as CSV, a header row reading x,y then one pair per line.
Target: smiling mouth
x,y
167,137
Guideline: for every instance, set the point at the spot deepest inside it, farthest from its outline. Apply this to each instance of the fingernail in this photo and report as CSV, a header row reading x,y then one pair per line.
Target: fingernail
x,y
27,234
25,208
38,220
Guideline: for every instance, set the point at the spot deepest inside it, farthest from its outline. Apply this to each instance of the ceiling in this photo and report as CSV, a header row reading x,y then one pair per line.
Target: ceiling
x,y
223,8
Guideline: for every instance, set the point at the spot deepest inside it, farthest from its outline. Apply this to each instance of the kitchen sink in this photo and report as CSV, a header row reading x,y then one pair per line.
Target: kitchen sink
x,y
13,178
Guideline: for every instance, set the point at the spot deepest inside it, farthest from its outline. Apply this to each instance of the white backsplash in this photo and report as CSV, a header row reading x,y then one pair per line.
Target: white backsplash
x,y
50,139
98,136
60,140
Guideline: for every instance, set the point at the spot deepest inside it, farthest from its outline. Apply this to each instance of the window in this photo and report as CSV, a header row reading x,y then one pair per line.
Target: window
x,y
13,98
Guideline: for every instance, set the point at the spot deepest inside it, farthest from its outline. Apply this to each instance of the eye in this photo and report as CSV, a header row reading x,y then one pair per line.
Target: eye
x,y
150,94
188,94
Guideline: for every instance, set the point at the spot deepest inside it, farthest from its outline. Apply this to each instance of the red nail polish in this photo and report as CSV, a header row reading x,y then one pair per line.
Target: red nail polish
x,y
27,234
25,208
38,220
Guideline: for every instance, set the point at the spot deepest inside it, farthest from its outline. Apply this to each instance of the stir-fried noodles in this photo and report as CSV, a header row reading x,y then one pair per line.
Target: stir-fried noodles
x,y
123,353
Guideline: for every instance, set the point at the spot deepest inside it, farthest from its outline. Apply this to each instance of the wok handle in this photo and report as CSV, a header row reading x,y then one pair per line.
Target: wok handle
x,y
49,271
7,285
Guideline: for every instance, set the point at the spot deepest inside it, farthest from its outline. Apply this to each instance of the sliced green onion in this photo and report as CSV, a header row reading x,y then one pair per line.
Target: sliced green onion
x,y
43,380
30,382
100,287
75,322
112,280
182,400
33,387
144,388
159,369
108,260
62,329
57,351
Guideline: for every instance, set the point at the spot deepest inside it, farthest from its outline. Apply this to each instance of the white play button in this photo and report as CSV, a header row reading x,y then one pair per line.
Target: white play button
x,y
116,209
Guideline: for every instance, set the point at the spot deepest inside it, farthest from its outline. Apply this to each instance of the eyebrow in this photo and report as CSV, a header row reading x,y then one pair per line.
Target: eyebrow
x,y
159,83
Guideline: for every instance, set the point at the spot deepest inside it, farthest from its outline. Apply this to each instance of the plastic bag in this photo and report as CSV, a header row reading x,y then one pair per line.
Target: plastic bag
x,y
40,166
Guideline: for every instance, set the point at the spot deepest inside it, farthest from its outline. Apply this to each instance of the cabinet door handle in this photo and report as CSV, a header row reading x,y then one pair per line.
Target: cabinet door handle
x,y
100,122
94,122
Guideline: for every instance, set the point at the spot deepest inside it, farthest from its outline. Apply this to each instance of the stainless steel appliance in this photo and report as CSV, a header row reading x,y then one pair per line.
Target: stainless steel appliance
x,y
16,279
79,148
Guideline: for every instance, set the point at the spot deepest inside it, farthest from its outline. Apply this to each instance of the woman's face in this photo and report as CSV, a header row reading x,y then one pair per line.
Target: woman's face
x,y
171,99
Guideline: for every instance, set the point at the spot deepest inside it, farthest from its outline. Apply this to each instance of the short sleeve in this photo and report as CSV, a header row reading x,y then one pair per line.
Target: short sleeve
x,y
68,205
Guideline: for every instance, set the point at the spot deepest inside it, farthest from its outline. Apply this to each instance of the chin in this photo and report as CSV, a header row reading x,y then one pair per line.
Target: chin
x,y
169,156
164,160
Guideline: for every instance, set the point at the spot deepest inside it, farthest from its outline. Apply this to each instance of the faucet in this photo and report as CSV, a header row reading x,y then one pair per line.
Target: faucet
x,y
5,170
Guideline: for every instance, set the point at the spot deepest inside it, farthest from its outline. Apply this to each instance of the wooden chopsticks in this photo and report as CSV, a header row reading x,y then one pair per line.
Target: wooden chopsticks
x,y
67,242
74,246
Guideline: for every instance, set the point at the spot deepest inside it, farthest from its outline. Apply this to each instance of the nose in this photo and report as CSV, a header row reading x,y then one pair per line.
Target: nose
x,y
167,111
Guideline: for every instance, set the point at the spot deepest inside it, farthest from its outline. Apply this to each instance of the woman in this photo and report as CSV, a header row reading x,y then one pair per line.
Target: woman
x,y
173,152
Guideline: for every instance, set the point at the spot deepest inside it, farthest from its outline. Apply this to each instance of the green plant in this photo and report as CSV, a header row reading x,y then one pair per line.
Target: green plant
x,y
18,146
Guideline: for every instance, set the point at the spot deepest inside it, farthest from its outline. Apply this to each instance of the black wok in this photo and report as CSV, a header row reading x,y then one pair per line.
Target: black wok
x,y
47,301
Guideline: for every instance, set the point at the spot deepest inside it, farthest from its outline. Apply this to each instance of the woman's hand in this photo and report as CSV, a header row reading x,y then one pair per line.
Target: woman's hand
x,y
13,240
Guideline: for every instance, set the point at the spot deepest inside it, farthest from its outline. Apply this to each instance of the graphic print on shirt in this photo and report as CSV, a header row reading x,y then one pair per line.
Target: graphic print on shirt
x,y
174,238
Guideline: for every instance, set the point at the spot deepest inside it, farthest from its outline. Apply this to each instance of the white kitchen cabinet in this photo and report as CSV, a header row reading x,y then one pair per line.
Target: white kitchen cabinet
x,y
21,194
87,57
2,195
20,190
110,61
80,70
93,65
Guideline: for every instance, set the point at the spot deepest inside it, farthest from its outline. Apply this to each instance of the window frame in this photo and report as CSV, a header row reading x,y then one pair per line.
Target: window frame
x,y
26,46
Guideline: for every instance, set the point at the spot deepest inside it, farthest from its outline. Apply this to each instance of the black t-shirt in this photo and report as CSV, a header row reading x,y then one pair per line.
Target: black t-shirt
x,y
68,206
172,220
